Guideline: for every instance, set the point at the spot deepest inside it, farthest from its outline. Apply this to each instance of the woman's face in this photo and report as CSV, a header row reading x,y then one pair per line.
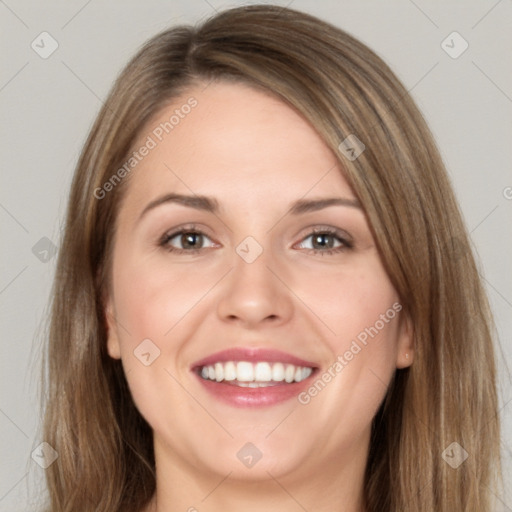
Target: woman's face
x,y
275,276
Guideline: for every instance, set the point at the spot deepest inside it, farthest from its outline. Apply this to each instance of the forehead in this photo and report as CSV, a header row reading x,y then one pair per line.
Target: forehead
x,y
233,142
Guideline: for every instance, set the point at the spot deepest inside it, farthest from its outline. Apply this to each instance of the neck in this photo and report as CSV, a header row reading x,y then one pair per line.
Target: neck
x,y
335,484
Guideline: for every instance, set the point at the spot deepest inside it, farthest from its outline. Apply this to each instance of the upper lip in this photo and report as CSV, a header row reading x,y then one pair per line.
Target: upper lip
x,y
252,355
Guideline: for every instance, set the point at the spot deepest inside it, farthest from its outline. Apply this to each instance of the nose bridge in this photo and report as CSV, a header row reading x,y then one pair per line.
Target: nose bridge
x,y
252,293
251,267
253,258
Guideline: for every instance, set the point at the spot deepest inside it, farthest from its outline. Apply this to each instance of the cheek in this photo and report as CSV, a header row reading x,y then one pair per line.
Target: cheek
x,y
151,299
150,302
353,303
361,313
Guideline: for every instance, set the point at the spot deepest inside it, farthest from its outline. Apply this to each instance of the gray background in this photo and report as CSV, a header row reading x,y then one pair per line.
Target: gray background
x,y
48,106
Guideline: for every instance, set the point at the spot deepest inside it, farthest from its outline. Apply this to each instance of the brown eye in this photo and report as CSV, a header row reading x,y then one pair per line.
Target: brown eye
x,y
191,240
323,240
326,241
185,240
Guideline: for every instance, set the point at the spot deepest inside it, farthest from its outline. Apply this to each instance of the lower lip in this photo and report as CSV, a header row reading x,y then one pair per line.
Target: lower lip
x,y
238,396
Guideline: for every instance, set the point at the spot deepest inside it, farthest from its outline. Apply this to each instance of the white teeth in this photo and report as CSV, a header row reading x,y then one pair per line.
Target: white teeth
x,y
306,372
278,372
289,373
244,371
260,374
263,372
219,372
229,371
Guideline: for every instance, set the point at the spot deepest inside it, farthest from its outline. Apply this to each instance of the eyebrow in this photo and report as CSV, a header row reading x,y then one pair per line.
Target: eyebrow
x,y
211,205
312,205
208,204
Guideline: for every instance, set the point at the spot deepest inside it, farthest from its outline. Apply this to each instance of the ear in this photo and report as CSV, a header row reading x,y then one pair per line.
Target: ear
x,y
113,346
405,354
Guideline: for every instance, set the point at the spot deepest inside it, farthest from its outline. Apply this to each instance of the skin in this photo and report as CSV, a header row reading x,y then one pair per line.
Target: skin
x,y
255,155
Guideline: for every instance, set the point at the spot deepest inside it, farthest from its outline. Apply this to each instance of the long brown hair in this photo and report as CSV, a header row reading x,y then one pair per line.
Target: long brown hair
x,y
106,460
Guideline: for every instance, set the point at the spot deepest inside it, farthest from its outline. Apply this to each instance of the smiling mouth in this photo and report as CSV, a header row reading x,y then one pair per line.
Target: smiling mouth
x,y
259,374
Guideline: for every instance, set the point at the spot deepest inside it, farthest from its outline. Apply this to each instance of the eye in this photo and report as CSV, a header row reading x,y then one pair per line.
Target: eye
x,y
186,239
326,241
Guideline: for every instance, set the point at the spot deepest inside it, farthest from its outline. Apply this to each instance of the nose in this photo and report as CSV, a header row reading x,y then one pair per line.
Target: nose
x,y
255,293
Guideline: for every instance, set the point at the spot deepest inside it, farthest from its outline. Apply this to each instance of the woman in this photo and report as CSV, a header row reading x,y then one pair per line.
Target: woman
x,y
265,295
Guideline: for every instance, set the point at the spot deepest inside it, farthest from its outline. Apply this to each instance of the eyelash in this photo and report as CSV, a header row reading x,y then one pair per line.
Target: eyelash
x,y
345,244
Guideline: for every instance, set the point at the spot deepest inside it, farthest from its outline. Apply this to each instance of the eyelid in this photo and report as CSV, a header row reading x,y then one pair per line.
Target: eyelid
x,y
185,228
319,228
